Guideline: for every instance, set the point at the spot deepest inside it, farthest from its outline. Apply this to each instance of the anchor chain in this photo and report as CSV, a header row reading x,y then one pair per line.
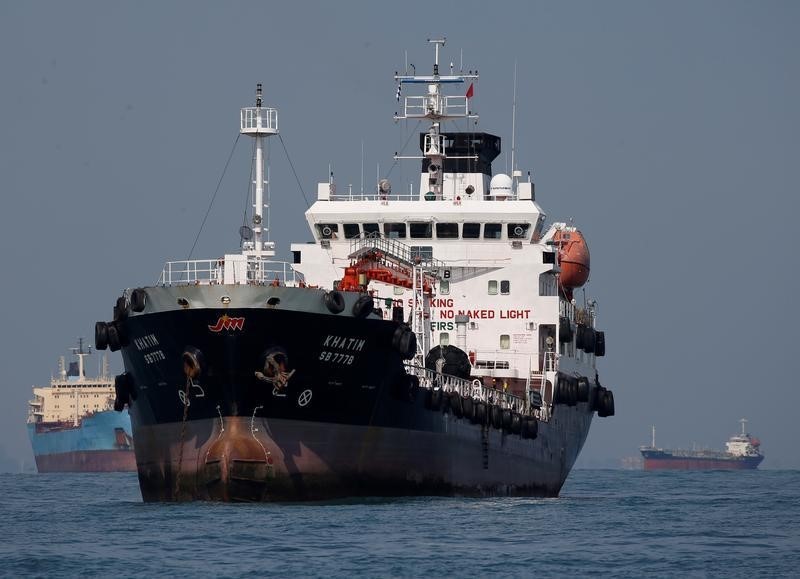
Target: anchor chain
x,y
183,435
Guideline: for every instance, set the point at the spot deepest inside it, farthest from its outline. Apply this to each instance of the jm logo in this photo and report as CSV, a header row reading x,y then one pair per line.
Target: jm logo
x,y
227,323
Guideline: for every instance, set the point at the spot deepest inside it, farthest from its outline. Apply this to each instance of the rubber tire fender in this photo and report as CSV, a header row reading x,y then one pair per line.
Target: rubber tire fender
x,y
456,405
496,416
573,393
113,337
507,419
469,408
121,309
138,300
608,402
334,301
583,389
530,427
516,423
436,398
100,336
363,307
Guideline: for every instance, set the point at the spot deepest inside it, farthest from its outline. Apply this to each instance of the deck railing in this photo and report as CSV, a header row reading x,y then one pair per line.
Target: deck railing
x,y
245,271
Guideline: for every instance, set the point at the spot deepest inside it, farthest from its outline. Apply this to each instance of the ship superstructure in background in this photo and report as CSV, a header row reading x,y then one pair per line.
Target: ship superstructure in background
x,y
425,342
742,452
72,424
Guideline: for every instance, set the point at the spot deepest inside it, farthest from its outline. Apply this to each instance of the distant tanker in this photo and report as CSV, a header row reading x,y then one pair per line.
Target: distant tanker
x,y
742,453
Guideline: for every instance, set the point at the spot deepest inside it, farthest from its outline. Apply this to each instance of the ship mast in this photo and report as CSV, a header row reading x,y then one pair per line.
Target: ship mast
x,y
81,354
437,108
258,122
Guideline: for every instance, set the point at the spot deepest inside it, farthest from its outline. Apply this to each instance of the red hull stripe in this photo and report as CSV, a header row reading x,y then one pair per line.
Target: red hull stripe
x,y
88,461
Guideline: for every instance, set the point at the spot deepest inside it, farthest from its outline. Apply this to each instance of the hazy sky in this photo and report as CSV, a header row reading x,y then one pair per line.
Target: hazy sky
x,y
669,132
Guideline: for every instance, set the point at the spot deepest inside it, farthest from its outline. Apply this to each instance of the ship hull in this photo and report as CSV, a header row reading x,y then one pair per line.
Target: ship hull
x,y
346,422
100,443
665,461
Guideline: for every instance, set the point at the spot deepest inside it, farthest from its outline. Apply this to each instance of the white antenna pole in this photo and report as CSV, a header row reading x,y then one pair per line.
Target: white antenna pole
x,y
258,192
514,120
362,167
653,444
259,122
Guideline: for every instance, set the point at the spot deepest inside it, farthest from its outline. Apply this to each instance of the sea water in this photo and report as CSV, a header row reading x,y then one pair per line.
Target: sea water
x,y
606,522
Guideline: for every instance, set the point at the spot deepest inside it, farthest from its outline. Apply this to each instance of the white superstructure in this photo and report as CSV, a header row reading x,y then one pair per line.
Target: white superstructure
x,y
481,240
71,395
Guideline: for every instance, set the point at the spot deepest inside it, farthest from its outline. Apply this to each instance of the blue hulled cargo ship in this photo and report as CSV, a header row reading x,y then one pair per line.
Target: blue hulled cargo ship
x,y
72,425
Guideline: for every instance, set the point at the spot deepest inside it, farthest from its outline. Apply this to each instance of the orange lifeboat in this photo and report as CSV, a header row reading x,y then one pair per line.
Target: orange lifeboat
x,y
573,258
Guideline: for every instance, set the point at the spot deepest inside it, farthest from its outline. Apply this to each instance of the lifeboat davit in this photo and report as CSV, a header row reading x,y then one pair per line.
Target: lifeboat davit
x,y
573,258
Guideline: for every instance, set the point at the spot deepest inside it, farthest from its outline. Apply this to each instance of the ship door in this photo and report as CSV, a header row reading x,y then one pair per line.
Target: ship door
x,y
547,347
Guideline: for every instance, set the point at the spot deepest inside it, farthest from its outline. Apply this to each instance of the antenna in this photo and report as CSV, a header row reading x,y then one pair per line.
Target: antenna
x,y
514,121
259,122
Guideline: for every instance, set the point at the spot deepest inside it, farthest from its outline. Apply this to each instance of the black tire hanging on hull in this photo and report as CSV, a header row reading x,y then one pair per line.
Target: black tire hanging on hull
x,y
363,307
334,301
530,427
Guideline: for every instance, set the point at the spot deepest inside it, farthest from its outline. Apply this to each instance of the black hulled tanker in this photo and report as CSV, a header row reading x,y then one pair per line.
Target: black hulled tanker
x,y
249,379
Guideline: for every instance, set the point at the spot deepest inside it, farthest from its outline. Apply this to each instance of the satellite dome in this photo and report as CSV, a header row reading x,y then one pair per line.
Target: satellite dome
x,y
500,186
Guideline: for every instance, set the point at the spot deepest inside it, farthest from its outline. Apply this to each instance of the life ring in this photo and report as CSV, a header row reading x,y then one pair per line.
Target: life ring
x,y
363,307
101,335
334,301
138,300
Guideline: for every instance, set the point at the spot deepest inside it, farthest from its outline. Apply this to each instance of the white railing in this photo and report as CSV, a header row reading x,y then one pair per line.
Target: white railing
x,y
258,119
245,271
467,389
436,105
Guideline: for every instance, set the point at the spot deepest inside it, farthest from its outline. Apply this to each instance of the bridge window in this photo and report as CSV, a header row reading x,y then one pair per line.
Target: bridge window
x,y
371,230
394,230
444,339
518,230
328,230
492,287
493,231
444,287
472,230
351,230
505,341
447,230
505,287
420,230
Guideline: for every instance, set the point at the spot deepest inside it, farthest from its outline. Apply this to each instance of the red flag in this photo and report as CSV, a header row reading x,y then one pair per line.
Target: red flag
x,y
470,91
